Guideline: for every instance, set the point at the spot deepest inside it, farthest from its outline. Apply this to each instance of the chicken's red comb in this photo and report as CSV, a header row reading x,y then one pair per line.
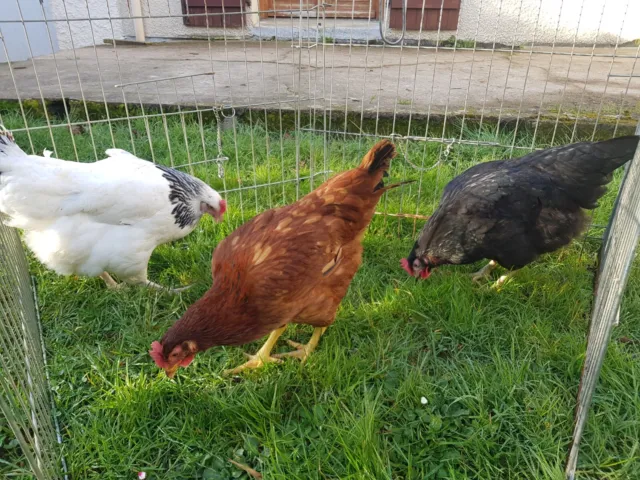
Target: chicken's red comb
x,y
223,206
157,355
405,265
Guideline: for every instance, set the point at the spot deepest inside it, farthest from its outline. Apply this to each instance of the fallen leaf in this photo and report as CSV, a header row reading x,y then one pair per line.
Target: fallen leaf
x,y
249,470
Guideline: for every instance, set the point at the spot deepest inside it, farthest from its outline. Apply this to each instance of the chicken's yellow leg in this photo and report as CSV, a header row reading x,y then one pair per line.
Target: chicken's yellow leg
x,y
501,281
262,356
303,351
484,272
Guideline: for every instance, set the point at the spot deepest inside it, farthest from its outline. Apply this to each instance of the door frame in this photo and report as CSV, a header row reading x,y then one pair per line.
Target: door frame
x,y
264,5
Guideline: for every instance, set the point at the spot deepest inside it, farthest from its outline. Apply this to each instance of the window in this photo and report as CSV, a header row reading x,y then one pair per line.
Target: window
x,y
431,18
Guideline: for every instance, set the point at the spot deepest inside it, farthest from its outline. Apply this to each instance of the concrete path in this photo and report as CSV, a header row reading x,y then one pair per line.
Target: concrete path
x,y
372,78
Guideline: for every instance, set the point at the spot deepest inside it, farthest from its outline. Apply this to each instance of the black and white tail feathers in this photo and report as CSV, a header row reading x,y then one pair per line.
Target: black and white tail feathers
x,y
8,146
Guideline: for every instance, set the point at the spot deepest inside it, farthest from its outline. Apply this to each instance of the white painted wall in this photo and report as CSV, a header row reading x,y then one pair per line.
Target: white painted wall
x,y
79,33
502,21
84,33
528,21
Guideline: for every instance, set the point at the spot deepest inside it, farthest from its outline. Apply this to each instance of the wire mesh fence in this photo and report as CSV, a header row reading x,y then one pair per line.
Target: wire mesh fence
x,y
617,254
278,95
25,396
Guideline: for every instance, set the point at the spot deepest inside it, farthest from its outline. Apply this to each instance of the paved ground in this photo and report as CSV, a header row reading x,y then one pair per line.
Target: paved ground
x,y
372,78
343,30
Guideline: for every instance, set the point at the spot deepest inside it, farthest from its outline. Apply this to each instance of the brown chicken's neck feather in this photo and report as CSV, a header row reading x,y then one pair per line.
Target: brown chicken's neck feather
x,y
207,323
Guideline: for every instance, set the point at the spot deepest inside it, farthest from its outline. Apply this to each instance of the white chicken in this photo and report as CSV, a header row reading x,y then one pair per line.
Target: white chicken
x,y
93,218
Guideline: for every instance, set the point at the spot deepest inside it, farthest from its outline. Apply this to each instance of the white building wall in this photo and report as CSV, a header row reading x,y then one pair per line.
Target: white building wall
x,y
528,21
84,33
502,21
163,21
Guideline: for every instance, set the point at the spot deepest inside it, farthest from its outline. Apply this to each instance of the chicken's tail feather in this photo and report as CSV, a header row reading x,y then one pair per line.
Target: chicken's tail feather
x,y
396,185
615,152
583,170
379,157
8,146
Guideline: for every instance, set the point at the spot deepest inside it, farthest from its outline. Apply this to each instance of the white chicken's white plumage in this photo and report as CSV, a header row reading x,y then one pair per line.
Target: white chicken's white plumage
x,y
107,216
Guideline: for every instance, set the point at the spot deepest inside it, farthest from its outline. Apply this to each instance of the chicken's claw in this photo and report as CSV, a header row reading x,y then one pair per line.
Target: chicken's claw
x,y
255,361
262,356
298,346
302,351
503,279
484,272
477,277
175,291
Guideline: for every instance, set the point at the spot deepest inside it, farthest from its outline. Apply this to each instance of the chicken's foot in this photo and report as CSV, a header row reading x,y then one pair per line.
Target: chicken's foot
x,y
156,286
262,356
109,281
142,280
303,351
503,279
484,272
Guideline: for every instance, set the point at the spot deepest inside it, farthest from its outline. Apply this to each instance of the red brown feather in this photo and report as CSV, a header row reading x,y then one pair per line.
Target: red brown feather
x,y
293,264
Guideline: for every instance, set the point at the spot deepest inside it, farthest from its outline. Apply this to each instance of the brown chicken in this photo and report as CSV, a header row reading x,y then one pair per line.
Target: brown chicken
x,y
292,264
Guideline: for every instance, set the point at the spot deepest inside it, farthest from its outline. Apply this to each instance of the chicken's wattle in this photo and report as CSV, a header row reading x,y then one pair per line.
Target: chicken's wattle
x,y
424,273
406,267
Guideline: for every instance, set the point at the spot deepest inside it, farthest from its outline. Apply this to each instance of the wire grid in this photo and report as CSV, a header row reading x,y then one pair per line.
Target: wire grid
x,y
310,74
425,93
25,397
618,250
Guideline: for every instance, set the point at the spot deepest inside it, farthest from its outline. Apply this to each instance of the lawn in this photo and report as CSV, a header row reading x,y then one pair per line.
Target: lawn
x,y
415,380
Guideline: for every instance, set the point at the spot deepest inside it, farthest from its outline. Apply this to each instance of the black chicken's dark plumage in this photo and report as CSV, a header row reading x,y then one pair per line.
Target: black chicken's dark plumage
x,y
513,211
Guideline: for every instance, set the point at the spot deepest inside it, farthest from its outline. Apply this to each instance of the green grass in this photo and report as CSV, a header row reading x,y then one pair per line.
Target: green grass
x,y
459,43
499,369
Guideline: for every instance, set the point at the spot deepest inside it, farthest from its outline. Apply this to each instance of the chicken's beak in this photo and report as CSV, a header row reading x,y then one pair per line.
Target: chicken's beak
x,y
216,213
171,371
423,272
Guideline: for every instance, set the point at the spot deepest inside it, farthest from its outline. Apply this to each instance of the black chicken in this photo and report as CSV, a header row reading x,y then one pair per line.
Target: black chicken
x,y
513,211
